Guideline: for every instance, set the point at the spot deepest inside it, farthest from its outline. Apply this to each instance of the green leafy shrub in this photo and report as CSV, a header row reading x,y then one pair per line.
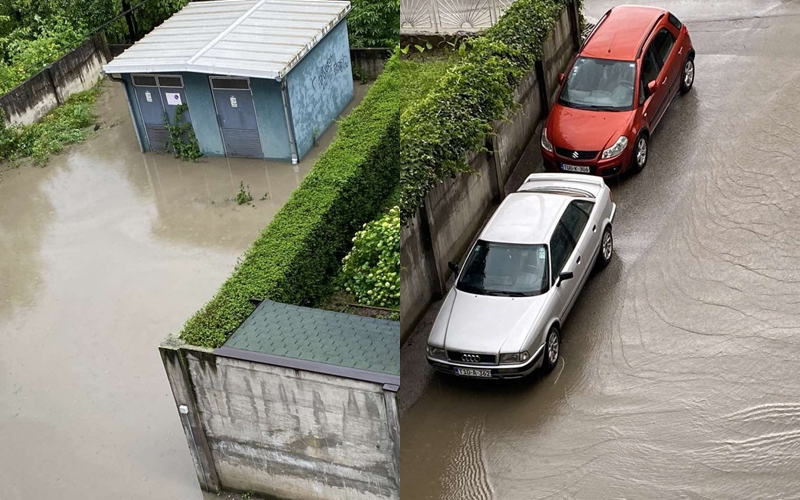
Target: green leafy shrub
x,y
66,124
182,141
244,196
300,251
371,271
454,118
374,23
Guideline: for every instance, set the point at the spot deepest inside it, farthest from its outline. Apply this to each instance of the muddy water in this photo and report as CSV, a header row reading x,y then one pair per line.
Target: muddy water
x,y
680,375
102,254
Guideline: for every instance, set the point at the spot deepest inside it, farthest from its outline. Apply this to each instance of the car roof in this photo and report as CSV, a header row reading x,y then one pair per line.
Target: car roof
x,y
621,33
525,218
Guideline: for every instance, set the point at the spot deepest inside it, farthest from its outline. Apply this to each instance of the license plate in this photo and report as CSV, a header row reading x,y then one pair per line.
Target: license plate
x,y
473,372
576,168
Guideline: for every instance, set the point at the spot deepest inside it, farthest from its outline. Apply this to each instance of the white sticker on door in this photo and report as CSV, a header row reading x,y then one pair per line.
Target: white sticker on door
x,y
148,96
234,104
173,99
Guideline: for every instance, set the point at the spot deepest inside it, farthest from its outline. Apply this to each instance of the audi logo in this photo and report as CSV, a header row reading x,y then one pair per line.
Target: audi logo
x,y
470,358
575,154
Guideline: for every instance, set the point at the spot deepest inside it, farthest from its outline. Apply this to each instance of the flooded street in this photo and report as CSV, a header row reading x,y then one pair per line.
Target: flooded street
x,y
681,360
102,254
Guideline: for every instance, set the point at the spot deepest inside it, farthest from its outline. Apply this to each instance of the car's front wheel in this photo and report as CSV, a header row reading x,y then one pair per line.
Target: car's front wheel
x,y
552,349
639,157
687,75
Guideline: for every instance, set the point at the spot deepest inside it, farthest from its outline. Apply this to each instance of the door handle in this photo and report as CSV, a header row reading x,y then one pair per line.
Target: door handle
x,y
579,259
594,228
680,51
665,81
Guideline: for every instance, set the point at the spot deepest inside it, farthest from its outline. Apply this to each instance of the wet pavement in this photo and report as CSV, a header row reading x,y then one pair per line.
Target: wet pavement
x,y
102,254
681,360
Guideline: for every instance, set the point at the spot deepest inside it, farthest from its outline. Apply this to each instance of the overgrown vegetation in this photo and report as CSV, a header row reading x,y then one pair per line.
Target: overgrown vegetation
x,y
34,33
244,196
182,141
66,124
374,23
299,253
440,130
371,271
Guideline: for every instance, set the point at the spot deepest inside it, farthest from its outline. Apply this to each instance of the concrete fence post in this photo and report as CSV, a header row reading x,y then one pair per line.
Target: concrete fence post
x,y
49,72
180,381
496,182
426,225
575,23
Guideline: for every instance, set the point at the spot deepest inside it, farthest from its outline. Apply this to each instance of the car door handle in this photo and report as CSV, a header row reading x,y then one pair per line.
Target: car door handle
x,y
680,51
594,228
665,81
579,259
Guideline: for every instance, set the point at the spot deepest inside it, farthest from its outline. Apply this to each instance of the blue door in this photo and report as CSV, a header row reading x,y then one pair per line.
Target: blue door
x,y
159,96
237,117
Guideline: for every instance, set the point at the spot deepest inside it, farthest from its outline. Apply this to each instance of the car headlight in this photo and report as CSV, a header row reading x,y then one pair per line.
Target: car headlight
x,y
616,149
436,352
517,357
545,143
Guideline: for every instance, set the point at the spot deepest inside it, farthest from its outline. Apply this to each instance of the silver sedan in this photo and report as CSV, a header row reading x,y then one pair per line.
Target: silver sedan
x,y
521,278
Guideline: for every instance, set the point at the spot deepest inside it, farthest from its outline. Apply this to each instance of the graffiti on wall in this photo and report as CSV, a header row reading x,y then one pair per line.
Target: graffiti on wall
x,y
329,70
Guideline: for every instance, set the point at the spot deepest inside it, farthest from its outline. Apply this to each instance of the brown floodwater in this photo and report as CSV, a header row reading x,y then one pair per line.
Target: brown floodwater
x,y
680,375
102,254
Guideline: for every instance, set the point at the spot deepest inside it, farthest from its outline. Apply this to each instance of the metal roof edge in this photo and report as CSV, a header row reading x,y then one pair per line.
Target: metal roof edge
x,y
306,50
389,382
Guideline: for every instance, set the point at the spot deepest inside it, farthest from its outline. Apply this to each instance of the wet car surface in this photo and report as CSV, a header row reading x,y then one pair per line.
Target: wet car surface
x,y
681,360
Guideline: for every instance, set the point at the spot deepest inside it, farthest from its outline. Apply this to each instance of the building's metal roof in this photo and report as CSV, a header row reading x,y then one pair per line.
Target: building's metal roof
x,y
253,38
287,333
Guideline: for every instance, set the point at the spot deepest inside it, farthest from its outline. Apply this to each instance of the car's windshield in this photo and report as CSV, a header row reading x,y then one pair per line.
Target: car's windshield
x,y
599,84
505,269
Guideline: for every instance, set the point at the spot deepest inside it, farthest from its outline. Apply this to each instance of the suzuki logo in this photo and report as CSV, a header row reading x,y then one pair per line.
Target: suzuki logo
x,y
470,358
575,154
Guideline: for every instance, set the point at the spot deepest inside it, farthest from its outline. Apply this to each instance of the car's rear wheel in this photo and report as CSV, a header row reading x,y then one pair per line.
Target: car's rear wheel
x,y
639,157
687,75
552,349
606,248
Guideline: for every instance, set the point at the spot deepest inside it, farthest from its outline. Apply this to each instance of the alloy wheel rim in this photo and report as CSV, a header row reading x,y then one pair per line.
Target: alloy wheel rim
x,y
641,155
607,246
552,348
688,72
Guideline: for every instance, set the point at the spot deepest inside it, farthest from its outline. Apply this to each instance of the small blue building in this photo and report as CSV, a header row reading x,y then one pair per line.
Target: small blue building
x,y
259,78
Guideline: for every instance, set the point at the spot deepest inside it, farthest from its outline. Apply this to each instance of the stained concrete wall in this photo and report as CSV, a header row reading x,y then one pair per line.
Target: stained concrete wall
x,y
320,87
271,117
77,71
368,62
283,432
454,210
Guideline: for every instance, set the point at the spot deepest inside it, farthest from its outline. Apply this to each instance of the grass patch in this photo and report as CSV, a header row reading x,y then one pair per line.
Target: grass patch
x,y
67,124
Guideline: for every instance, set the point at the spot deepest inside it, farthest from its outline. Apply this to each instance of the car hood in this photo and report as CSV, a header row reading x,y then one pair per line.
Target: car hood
x,y
586,130
489,324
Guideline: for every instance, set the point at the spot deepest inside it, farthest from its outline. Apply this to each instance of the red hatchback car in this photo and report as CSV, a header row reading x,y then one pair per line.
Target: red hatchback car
x,y
616,91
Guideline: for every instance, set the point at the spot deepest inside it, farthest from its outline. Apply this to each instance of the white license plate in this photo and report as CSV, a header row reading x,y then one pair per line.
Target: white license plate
x,y
473,372
576,168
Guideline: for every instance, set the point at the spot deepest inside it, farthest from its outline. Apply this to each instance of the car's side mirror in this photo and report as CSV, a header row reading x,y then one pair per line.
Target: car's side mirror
x,y
561,78
453,267
652,87
564,277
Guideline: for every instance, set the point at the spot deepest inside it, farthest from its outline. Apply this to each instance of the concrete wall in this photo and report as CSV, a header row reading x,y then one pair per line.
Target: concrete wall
x,y
320,87
454,210
368,62
284,432
77,71
203,113
271,117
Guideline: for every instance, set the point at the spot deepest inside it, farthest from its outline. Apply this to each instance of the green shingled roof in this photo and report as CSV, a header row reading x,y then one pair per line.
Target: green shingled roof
x,y
322,336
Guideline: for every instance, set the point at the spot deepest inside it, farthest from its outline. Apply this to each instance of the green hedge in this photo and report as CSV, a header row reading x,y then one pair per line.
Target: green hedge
x,y
439,131
300,251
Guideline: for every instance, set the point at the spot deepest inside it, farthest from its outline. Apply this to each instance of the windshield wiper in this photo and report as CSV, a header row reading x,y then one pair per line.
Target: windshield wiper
x,y
510,294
